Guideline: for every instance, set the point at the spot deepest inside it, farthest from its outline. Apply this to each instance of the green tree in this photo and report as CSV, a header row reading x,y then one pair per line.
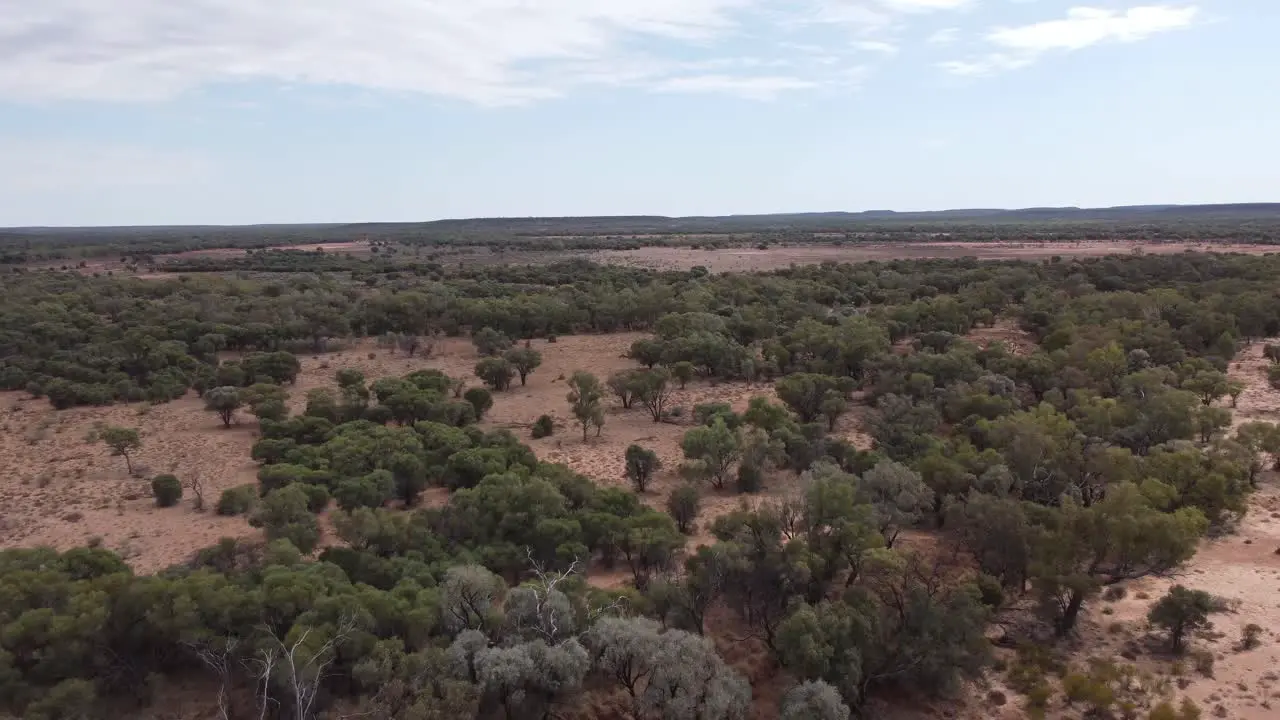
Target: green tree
x,y
224,401
480,399
122,442
1235,388
641,465
833,406
1120,538
623,385
806,394
496,372
266,401
585,395
653,389
1209,385
524,360
646,351
711,453
898,496
285,515
683,504
1182,611
490,342
683,372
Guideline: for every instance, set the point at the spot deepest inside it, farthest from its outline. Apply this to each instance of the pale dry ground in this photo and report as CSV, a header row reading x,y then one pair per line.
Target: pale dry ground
x,y
62,490
773,258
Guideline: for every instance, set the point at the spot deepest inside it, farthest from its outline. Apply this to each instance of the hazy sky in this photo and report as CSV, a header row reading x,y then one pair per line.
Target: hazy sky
x,y
241,111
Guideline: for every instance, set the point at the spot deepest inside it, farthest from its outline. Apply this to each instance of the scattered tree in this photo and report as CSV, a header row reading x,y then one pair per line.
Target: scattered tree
x,y
122,442
683,505
641,465
224,401
525,360
584,399
496,372
1182,611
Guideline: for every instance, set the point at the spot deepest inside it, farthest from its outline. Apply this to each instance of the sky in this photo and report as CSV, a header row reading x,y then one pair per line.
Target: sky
x,y
161,112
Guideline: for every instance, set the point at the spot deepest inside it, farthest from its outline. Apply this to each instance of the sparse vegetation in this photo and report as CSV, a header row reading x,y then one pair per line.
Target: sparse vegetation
x,y
123,442
167,490
1097,453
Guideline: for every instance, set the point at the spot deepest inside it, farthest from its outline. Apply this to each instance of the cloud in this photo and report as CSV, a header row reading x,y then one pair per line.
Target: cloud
x,y
877,46
1082,27
945,36
751,88
489,52
41,165
485,51
924,5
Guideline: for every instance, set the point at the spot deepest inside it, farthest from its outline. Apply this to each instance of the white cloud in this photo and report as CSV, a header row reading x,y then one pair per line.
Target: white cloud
x,y
490,52
1081,28
924,5
486,51
945,36
877,46
55,165
1089,26
751,88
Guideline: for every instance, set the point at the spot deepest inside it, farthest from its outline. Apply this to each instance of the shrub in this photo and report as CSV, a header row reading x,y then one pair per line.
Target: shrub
x,y
284,515
237,500
480,399
543,427
1250,636
684,504
1273,376
641,465
167,490
1182,611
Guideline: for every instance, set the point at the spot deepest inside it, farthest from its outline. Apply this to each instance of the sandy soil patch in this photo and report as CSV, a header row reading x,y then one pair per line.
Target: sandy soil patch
x,y
1259,401
350,248
1005,330
754,260
63,490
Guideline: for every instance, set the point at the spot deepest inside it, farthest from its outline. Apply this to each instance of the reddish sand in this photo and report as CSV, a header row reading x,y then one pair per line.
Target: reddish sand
x,y
754,260
63,490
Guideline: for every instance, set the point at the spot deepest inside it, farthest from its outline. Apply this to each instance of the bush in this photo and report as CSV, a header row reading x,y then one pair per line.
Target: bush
x,y
167,490
480,399
641,465
1273,376
284,515
317,497
1181,612
543,427
750,478
1250,636
237,500
684,504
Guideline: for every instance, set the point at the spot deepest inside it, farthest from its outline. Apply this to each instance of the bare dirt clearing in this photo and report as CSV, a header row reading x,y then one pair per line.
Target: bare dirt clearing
x,y
774,258
349,248
62,489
